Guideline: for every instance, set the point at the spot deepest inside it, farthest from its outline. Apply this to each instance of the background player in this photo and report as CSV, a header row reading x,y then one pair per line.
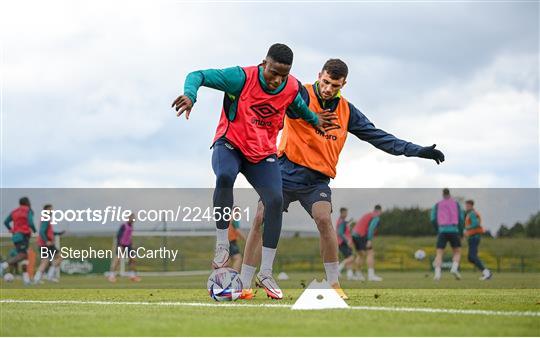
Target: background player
x,y
447,218
345,244
47,249
124,241
23,227
474,231
362,236
254,105
234,248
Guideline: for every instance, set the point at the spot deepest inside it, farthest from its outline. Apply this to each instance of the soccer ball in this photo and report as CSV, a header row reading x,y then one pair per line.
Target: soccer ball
x,y
420,254
224,285
8,277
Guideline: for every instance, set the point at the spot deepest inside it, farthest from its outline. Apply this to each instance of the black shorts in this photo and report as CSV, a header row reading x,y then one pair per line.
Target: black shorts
x,y
307,196
22,245
345,250
46,252
233,248
307,187
360,243
453,238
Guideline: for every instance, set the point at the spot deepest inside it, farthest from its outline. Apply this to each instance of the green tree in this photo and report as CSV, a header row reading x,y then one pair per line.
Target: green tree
x,y
406,222
532,226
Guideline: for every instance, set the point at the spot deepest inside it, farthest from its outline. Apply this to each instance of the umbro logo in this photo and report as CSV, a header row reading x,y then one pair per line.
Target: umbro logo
x,y
328,128
264,110
323,194
270,159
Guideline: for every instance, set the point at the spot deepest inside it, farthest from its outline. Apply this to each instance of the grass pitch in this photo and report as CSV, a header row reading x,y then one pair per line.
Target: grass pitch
x,y
166,306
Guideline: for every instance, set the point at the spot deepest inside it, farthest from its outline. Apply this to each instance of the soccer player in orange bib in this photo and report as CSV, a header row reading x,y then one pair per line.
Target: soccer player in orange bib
x,y
306,170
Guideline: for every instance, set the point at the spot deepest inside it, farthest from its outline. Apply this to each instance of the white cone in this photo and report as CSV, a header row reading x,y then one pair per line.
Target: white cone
x,y
319,296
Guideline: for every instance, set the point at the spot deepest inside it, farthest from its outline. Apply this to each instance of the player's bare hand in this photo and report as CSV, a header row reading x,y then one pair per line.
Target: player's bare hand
x,y
182,104
326,119
369,245
49,243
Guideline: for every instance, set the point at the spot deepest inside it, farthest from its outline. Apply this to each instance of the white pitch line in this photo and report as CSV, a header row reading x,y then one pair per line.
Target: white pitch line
x,y
365,308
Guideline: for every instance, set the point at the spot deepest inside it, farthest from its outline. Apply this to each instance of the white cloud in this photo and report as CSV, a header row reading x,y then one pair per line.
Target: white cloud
x,y
485,125
89,84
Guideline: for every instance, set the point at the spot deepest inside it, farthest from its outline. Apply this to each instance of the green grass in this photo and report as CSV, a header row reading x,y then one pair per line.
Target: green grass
x,y
506,292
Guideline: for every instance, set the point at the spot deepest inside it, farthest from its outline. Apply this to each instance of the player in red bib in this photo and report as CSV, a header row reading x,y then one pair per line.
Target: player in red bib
x,y
23,226
48,252
254,106
362,235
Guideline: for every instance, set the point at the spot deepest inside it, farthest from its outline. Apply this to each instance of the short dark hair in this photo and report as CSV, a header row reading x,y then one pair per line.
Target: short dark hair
x,y
336,68
446,192
471,202
378,207
342,209
47,206
280,53
24,201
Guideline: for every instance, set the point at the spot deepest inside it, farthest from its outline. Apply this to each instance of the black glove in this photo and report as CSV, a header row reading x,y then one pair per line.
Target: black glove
x,y
431,153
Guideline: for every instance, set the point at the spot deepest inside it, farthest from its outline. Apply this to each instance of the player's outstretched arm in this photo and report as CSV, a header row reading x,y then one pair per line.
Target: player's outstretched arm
x,y
364,129
229,80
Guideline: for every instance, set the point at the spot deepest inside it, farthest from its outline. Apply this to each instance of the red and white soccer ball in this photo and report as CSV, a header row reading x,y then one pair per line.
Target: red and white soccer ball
x,y
224,285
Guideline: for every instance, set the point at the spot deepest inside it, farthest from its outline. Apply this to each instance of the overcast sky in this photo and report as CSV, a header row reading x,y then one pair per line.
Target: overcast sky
x,y
87,87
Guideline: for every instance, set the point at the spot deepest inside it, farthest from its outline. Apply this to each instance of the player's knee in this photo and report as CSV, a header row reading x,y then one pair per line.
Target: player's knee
x,y
324,224
274,201
225,179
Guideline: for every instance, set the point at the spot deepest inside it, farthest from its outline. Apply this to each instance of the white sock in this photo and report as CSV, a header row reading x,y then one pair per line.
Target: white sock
x,y
57,270
26,277
437,271
246,275
267,259
332,273
5,265
51,273
371,272
341,266
350,273
37,277
486,272
222,237
455,266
